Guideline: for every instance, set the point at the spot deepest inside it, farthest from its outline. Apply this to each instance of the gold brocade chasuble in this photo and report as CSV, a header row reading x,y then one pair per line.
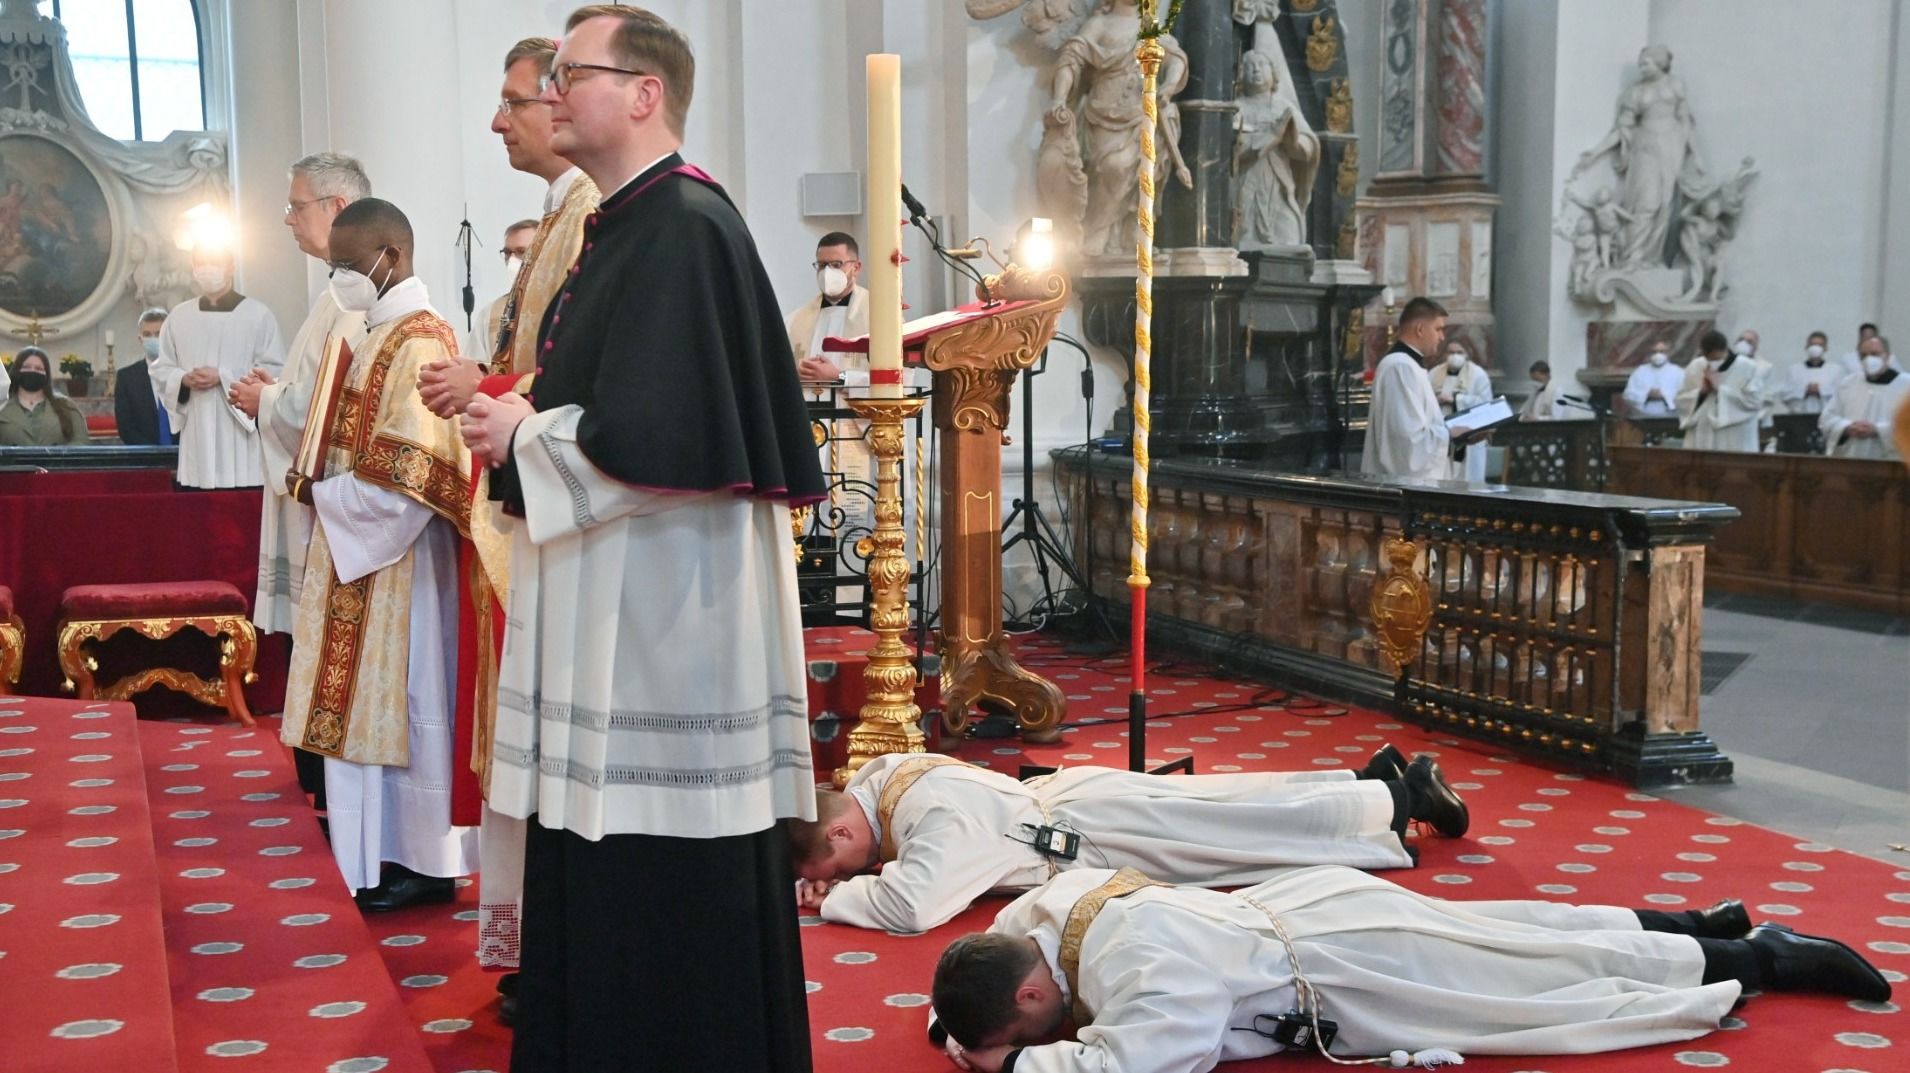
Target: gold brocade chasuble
x,y
345,691
554,249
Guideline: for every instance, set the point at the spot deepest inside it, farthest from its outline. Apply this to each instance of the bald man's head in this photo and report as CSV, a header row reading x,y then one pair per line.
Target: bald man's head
x,y
373,237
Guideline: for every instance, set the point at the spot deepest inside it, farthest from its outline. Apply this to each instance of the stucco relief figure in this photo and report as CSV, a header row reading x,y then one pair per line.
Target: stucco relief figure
x,y
1276,159
1654,155
1706,224
1607,221
1586,257
1092,141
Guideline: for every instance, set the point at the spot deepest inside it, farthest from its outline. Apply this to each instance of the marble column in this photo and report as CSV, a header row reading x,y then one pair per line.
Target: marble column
x,y
1203,216
1459,134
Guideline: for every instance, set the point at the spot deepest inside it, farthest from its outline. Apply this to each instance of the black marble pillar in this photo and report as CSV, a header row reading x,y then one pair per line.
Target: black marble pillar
x,y
1204,215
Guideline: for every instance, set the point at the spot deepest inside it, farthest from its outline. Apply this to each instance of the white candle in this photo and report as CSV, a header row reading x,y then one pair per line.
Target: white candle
x,y
882,268
1386,297
109,337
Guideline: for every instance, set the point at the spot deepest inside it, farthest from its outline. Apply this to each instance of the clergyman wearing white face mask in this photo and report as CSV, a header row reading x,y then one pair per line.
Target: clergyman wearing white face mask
x,y
207,345
1654,383
840,309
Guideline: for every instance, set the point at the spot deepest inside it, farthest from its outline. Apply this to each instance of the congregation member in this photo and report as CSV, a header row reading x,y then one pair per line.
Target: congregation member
x,y
1543,403
945,832
1654,384
208,345
1810,384
1407,435
1163,979
1860,420
374,661
319,188
1722,399
523,123
840,310
653,468
34,414
1462,384
141,421
483,337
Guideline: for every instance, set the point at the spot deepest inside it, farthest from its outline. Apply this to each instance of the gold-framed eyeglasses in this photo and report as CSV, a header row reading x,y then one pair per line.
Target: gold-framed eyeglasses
x,y
564,75
509,105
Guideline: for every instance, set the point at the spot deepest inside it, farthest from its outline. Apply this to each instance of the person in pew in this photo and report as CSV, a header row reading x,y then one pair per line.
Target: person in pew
x,y
34,414
1722,399
142,421
1860,420
1111,972
946,832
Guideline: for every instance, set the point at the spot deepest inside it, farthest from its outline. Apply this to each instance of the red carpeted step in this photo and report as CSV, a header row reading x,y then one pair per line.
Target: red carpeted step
x,y
272,966
82,956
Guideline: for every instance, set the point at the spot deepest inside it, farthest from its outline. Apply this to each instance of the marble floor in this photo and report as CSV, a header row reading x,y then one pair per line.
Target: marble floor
x,y
1813,704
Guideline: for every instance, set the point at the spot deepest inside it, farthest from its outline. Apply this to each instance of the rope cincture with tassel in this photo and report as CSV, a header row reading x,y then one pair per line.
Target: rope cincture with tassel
x,y
1309,1003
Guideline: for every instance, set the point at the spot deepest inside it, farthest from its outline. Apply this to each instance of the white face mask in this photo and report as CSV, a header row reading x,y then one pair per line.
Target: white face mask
x,y
1873,364
1742,348
210,279
354,291
151,346
512,266
1814,351
1456,360
1659,357
831,281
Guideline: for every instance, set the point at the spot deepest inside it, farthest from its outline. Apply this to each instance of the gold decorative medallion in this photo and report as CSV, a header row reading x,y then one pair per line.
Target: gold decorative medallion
x,y
1322,48
1402,604
1349,176
1339,108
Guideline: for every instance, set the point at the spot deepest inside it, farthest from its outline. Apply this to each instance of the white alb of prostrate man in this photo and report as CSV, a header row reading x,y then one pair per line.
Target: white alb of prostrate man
x,y
1461,385
1860,421
1652,388
209,344
946,832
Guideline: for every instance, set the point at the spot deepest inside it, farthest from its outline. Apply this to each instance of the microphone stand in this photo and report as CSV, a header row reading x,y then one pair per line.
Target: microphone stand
x,y
466,238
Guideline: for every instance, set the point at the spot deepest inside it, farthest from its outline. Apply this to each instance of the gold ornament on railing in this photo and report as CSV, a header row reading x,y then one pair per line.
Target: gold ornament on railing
x,y
1402,605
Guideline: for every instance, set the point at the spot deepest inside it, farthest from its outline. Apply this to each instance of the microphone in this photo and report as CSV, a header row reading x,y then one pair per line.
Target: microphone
x,y
916,211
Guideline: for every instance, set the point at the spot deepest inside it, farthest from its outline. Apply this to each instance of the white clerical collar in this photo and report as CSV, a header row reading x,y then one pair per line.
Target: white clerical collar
x,y
865,800
560,189
1050,945
407,297
639,172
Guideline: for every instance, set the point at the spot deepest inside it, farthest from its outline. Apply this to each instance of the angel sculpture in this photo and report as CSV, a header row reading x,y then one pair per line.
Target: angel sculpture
x,y
1706,225
1606,216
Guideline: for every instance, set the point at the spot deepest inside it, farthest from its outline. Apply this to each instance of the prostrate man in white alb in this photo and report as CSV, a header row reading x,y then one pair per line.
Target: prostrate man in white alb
x,y
1810,384
209,344
840,310
321,186
1860,421
1406,435
1654,384
946,832
1722,399
1160,979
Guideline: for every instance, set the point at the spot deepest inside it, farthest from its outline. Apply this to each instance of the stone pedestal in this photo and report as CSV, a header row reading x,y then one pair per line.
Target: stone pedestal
x,y
1420,239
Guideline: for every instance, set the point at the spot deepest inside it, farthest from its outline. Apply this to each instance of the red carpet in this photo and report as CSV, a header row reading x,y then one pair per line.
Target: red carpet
x,y
1537,832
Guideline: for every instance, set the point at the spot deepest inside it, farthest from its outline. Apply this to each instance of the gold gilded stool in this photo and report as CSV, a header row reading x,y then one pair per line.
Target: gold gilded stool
x,y
13,640
91,614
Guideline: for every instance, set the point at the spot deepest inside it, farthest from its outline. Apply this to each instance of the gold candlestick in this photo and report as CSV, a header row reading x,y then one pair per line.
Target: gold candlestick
x,y
890,721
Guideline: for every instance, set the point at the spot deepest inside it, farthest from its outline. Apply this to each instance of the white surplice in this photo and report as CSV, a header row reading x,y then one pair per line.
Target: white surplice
x,y
1406,436
285,524
1862,399
653,672
1726,419
1668,379
218,445
1175,977
961,831
1800,378
1469,387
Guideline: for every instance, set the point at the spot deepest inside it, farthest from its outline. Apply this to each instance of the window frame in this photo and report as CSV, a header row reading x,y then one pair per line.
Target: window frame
x,y
132,62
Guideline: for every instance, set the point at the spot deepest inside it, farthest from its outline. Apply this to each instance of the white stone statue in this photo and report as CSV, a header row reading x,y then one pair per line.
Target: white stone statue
x,y
1607,220
1276,158
1705,226
1088,169
1654,155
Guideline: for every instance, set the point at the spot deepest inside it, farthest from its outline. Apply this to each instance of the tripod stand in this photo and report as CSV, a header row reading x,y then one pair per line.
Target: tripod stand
x,y
1034,529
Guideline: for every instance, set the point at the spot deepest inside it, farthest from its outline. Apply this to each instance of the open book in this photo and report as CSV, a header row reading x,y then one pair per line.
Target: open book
x,y
1484,416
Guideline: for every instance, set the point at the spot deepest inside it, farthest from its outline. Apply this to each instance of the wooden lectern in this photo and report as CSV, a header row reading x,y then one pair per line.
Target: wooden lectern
x,y
976,352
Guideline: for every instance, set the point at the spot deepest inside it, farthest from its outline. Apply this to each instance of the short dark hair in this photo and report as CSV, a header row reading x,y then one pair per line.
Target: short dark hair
x,y
646,42
1866,327
1418,309
809,839
1713,342
840,238
975,982
1817,335
1540,367
378,218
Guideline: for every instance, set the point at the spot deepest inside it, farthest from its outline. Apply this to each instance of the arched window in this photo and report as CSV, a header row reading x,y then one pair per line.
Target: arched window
x,y
137,64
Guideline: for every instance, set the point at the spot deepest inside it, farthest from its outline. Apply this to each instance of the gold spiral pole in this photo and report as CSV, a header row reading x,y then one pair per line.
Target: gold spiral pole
x,y
921,505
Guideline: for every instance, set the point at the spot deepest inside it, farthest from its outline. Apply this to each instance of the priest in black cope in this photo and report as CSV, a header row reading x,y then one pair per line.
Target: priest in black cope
x,y
651,716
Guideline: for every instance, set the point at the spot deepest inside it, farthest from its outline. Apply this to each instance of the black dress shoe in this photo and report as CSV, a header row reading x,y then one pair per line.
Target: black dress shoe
x,y
507,983
1433,801
1809,963
1725,920
1387,763
507,1010
403,888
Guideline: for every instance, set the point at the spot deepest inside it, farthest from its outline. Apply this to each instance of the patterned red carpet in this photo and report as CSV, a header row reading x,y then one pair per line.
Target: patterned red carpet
x,y
1536,832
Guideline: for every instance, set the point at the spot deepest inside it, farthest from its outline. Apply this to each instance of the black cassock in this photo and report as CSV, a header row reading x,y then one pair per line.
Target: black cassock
x,y
642,951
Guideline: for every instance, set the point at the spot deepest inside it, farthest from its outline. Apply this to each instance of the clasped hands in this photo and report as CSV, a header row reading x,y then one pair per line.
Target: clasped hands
x,y
489,424
244,396
448,385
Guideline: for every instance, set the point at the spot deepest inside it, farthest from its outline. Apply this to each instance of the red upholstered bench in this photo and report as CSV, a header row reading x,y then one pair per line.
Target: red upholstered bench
x,y
13,640
90,614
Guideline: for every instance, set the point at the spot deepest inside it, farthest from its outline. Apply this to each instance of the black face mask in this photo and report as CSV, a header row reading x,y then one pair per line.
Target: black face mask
x,y
31,380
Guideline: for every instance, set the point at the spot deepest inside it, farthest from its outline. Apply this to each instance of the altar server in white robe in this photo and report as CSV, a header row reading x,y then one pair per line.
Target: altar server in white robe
x,y
1722,399
1161,979
1652,388
1406,435
208,345
1810,384
1860,421
374,656
1852,363
946,832
321,185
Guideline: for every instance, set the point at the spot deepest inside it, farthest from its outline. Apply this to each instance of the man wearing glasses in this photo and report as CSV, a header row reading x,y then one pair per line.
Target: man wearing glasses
x,y
483,336
651,724
841,310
